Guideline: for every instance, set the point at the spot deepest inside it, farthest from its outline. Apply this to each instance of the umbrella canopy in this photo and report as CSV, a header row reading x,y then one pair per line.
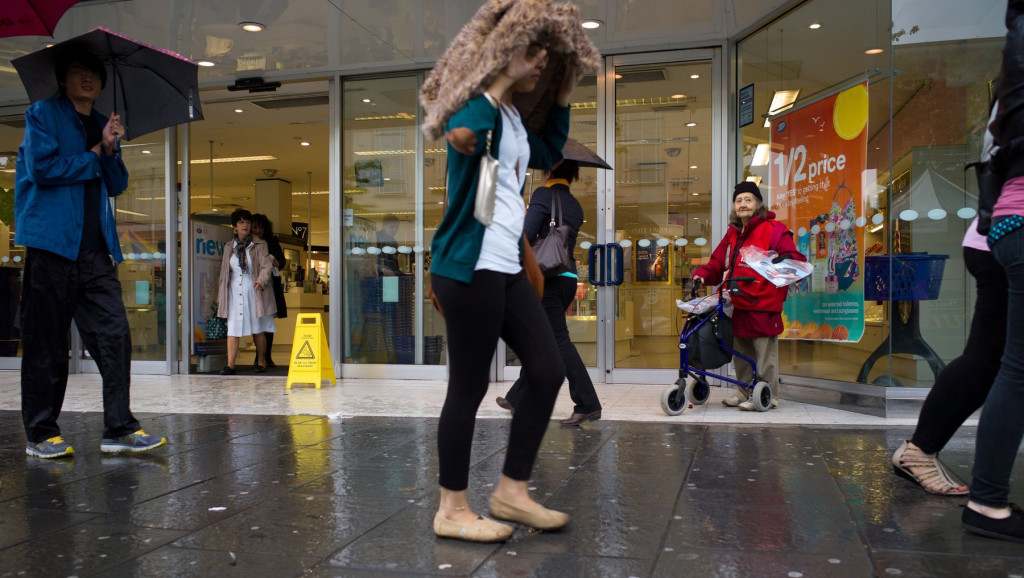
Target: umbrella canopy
x,y
31,17
151,88
484,46
575,151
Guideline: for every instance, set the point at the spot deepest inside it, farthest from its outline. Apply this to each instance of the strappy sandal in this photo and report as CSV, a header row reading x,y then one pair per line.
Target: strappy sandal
x,y
931,474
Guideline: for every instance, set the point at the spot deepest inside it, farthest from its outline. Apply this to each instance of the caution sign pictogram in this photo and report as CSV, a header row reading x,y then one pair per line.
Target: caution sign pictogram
x,y
310,360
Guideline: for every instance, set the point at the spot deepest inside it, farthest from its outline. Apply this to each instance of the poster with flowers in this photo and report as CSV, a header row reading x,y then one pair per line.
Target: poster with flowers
x,y
817,168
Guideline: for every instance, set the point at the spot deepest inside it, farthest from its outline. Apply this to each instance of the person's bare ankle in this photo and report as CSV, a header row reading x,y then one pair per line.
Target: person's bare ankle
x,y
990,512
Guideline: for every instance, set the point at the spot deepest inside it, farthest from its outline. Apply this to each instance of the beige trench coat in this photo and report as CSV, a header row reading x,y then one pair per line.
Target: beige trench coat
x,y
260,267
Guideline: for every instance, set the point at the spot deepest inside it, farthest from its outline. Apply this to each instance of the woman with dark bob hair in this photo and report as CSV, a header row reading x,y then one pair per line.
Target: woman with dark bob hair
x,y
245,297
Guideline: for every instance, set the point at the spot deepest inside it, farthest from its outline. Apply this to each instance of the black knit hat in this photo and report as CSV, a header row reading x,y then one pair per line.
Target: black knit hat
x,y
747,187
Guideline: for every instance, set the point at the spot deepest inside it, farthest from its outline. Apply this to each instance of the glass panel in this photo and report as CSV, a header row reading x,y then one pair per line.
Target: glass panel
x,y
11,257
380,135
142,229
663,117
924,124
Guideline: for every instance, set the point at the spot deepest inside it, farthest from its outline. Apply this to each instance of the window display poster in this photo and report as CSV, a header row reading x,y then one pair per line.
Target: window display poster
x,y
651,264
817,167
209,334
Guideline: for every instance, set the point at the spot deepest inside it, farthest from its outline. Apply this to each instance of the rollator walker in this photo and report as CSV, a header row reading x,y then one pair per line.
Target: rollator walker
x,y
705,344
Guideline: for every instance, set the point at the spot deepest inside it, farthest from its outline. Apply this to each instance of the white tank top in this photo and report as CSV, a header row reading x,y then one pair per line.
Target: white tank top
x,y
500,249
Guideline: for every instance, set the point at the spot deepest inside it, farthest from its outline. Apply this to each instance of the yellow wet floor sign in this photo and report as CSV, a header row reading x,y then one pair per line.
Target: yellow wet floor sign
x,y
311,360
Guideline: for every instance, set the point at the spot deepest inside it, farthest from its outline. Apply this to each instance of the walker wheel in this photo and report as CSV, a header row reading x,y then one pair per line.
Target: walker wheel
x,y
697,391
673,400
762,396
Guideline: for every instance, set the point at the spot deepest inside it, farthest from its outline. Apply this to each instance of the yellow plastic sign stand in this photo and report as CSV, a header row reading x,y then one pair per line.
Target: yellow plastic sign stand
x,y
311,359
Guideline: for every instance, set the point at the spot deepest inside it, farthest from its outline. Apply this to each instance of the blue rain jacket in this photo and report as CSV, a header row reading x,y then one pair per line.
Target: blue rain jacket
x,y
52,168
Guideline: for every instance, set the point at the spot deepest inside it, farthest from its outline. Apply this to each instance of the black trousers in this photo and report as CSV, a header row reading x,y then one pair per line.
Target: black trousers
x,y
559,293
964,383
55,291
476,314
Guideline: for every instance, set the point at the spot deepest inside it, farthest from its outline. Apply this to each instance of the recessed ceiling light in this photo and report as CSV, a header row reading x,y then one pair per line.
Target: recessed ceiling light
x,y
205,63
618,76
874,51
694,76
678,96
367,100
815,26
691,124
304,143
695,194
693,166
145,152
238,110
591,24
251,26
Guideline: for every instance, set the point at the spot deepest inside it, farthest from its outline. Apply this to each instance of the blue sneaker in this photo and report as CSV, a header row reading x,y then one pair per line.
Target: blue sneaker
x,y
54,447
134,442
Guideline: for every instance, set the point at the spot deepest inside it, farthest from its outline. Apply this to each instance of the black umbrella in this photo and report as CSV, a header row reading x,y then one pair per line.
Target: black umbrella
x,y
575,151
151,88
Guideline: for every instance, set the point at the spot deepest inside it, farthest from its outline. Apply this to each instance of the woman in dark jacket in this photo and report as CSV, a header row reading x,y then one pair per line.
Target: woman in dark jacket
x,y
757,317
264,229
560,291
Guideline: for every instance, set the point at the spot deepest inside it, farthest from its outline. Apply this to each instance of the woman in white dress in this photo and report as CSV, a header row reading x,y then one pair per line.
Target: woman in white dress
x,y
245,296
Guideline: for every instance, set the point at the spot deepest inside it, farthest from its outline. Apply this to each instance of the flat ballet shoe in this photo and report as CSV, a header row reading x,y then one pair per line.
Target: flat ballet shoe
x,y
537,517
481,530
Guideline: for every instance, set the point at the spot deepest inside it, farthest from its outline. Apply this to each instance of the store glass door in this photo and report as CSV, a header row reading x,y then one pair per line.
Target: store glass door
x,y
665,132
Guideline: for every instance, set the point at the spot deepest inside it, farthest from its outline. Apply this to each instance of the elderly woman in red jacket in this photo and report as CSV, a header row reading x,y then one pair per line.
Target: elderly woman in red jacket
x,y
757,315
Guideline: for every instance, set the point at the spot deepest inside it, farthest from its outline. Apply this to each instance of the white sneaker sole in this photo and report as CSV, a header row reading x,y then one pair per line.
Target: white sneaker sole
x,y
118,448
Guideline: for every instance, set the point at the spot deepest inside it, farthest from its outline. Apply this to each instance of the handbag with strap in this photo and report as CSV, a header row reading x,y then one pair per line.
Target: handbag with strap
x,y
486,182
554,256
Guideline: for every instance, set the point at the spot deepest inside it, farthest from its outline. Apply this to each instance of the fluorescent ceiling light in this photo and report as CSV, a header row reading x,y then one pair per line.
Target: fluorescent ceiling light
x,y
874,51
205,63
782,100
232,160
132,213
760,156
815,26
591,24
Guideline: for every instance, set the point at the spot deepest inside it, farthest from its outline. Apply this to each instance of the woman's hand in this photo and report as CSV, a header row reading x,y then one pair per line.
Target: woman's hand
x,y
698,279
258,287
462,140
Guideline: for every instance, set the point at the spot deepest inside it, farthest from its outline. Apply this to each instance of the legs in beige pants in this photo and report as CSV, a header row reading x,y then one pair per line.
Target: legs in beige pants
x,y
765,353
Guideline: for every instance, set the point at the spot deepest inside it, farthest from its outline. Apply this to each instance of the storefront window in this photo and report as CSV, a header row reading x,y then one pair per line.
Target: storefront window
x,y
886,244
141,229
384,246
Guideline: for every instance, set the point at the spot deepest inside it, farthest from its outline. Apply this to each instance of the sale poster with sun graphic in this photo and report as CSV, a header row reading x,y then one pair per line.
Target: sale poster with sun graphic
x,y
817,164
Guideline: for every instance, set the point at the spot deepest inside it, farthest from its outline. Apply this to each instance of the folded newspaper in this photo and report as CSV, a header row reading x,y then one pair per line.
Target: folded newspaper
x,y
785,272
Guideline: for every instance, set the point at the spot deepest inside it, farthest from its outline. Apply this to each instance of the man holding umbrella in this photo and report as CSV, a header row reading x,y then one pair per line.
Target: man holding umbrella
x,y
68,166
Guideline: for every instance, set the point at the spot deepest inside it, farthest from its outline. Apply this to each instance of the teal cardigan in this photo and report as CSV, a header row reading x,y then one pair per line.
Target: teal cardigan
x,y
456,245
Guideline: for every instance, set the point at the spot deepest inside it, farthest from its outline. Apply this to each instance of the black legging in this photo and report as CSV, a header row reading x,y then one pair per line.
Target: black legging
x,y
476,314
963,385
559,293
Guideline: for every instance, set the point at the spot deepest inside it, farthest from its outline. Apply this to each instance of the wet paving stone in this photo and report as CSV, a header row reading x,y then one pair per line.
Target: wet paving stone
x,y
170,561
255,495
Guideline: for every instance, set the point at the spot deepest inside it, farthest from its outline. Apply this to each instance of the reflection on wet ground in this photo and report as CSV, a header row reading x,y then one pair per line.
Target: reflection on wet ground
x,y
252,495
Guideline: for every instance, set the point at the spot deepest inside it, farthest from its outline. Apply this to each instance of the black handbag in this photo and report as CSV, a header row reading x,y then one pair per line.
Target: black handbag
x,y
705,346
553,252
